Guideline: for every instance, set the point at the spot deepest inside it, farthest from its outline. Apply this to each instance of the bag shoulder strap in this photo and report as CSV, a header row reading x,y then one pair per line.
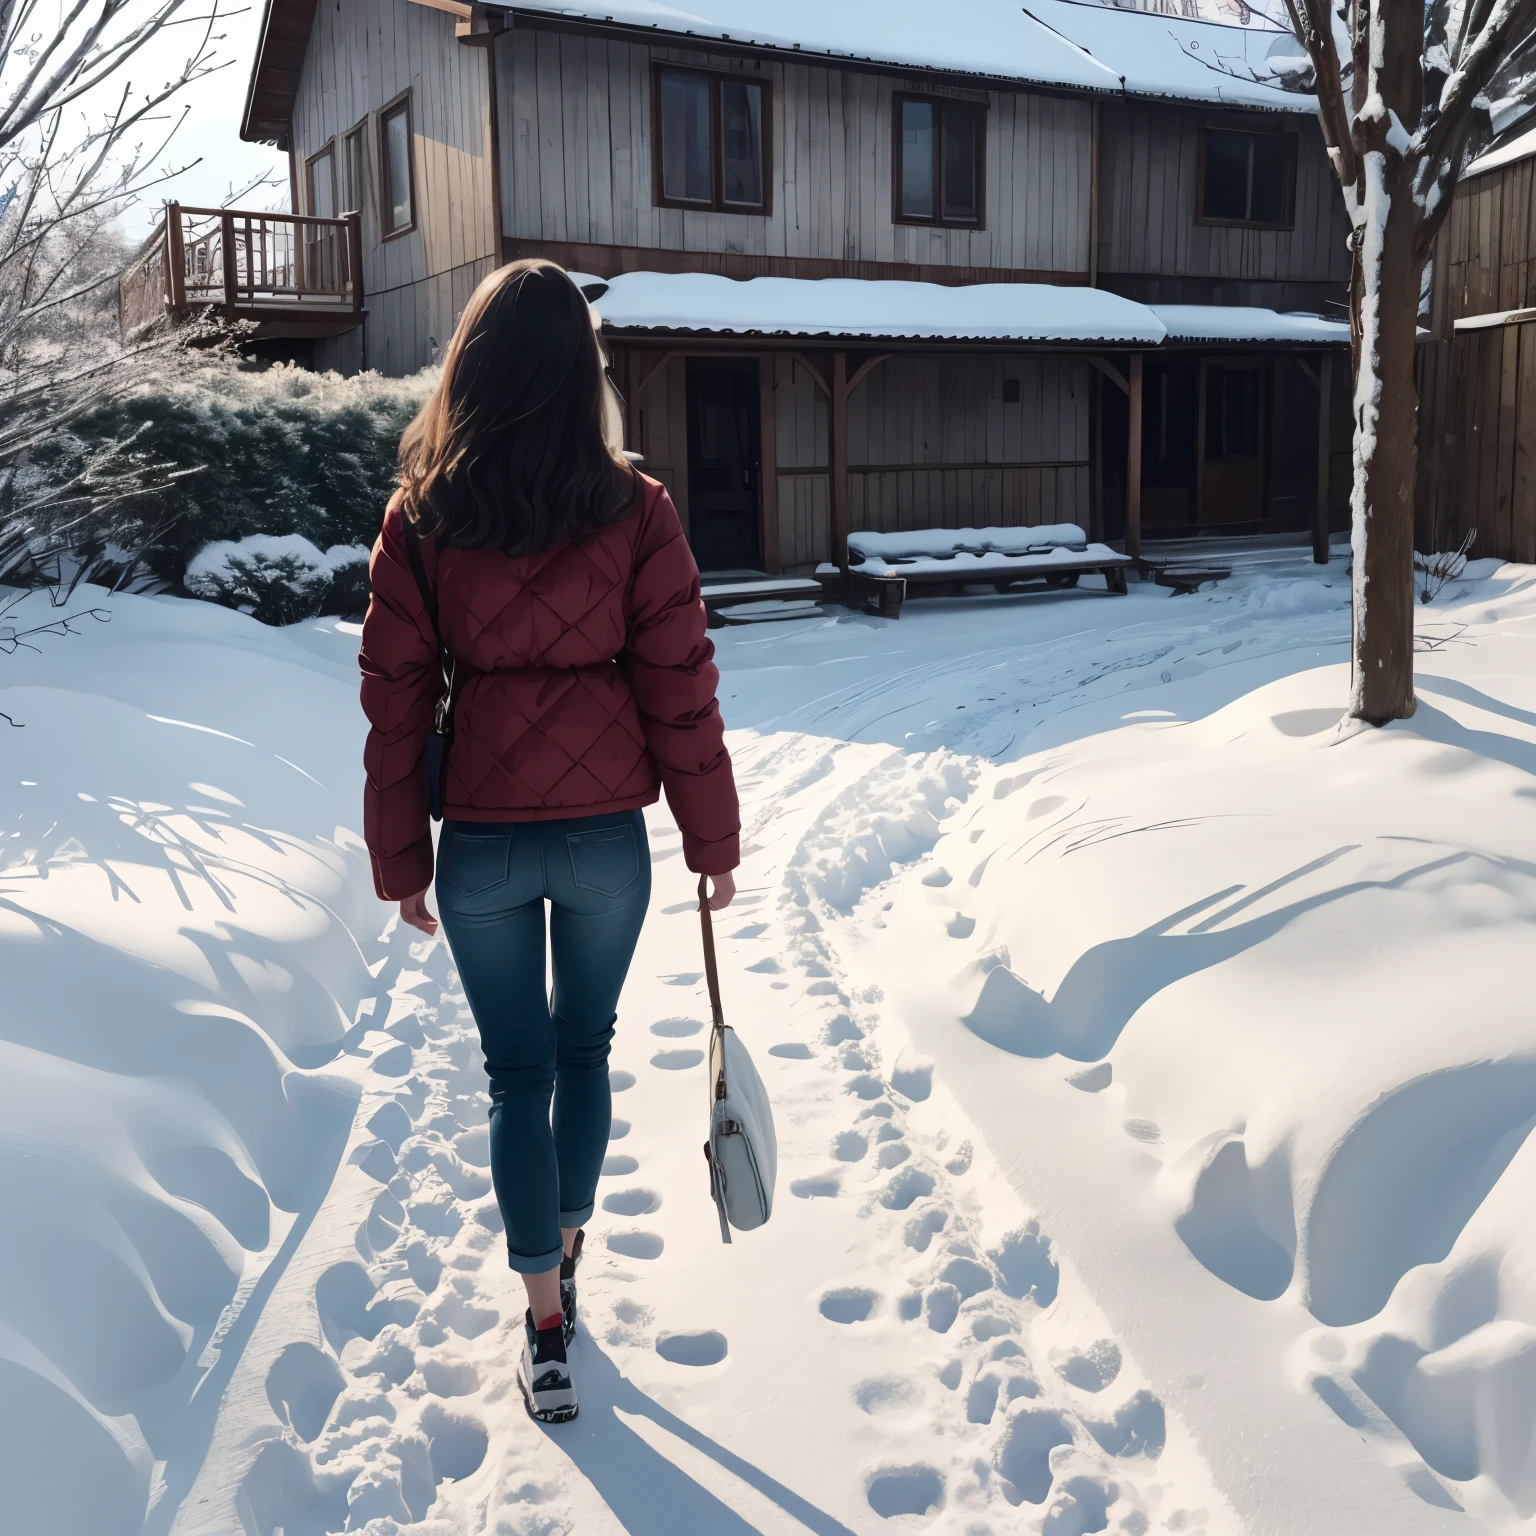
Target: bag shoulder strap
x,y
711,969
429,598
712,974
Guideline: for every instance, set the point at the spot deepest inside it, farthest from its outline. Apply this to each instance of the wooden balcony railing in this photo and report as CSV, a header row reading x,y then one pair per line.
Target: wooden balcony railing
x,y
291,271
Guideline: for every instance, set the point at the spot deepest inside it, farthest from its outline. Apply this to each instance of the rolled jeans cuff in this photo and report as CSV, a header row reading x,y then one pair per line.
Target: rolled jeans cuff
x,y
538,1264
575,1218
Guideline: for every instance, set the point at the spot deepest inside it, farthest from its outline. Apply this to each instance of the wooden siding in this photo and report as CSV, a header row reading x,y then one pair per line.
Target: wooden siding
x,y
576,163
1477,442
931,443
1483,258
361,56
802,430
1148,198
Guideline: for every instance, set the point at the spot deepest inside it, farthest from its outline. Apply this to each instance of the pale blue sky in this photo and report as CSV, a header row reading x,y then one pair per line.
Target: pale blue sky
x,y
211,132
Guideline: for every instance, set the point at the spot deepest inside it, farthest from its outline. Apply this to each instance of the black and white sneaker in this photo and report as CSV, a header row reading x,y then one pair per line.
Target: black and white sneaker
x,y
568,1287
543,1374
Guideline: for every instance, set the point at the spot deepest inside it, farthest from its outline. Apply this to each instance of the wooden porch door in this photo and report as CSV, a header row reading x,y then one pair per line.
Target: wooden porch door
x,y
1232,441
724,464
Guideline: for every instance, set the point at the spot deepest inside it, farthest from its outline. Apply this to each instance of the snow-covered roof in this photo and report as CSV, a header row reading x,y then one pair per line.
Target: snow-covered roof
x,y
1182,60
894,311
1048,42
1232,322
1521,147
854,307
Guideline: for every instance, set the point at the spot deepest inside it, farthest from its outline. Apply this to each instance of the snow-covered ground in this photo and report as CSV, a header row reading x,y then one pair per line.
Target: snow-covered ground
x,y
1152,1060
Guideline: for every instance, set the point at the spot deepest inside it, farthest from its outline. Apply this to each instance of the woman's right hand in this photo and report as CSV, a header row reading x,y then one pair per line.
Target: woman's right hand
x,y
413,910
722,891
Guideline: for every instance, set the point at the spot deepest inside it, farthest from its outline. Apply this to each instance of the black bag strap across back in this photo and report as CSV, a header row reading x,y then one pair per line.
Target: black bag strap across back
x,y
443,723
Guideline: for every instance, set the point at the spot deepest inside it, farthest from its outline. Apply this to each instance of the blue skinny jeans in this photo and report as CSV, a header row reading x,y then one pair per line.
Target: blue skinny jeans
x,y
544,1052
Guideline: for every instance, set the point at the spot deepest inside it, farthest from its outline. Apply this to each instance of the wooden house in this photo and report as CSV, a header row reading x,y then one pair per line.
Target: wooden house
x,y
968,169
1477,367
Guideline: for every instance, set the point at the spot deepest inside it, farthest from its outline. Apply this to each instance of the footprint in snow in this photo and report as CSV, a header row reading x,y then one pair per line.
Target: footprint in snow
x,y
1094,1079
849,1304
885,1394
905,1491
617,1164
677,1029
449,1378
922,1228
1023,1454
905,1186
818,1186
706,1347
1092,1369
683,979
677,1061
636,1244
1139,1428
791,1050
632,1202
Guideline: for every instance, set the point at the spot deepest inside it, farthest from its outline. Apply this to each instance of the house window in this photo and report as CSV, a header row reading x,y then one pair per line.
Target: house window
x,y
320,175
940,162
352,171
397,204
712,136
1247,178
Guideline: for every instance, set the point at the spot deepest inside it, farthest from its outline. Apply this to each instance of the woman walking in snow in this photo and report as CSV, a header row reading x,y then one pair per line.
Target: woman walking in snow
x,y
567,603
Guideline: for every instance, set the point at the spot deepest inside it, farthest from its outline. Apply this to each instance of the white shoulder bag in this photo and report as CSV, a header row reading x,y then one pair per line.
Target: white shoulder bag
x,y
742,1150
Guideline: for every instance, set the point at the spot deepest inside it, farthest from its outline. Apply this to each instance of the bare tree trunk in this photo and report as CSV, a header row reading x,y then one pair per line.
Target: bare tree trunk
x,y
1385,285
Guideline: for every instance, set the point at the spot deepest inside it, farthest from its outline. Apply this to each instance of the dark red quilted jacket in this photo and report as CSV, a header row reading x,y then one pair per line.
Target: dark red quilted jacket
x,y
586,680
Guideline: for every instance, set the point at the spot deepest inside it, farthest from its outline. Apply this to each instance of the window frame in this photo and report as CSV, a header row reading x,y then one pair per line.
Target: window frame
x,y
899,100
717,202
392,108
357,135
1213,221
328,149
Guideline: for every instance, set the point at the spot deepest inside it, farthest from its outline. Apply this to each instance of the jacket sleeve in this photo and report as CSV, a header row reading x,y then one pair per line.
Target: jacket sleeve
x,y
668,661
401,685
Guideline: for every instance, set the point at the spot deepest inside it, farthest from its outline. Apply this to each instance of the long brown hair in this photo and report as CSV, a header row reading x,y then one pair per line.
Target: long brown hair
x,y
511,451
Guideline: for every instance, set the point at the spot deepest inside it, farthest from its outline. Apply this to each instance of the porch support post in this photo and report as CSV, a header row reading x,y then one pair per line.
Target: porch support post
x,y
768,471
355,259
839,458
231,269
175,262
1133,465
1320,515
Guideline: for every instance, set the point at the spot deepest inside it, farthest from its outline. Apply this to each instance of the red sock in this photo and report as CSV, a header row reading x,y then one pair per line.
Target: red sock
x,y
554,1320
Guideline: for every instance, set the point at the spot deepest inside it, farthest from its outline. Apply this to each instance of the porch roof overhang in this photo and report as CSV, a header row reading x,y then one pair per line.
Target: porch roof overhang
x,y
862,310
855,310
1221,324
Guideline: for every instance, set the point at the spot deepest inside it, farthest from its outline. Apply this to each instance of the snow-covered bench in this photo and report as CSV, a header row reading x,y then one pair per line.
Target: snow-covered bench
x,y
881,566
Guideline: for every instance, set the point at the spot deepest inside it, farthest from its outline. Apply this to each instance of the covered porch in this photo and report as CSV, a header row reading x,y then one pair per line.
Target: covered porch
x,y
293,276
784,414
